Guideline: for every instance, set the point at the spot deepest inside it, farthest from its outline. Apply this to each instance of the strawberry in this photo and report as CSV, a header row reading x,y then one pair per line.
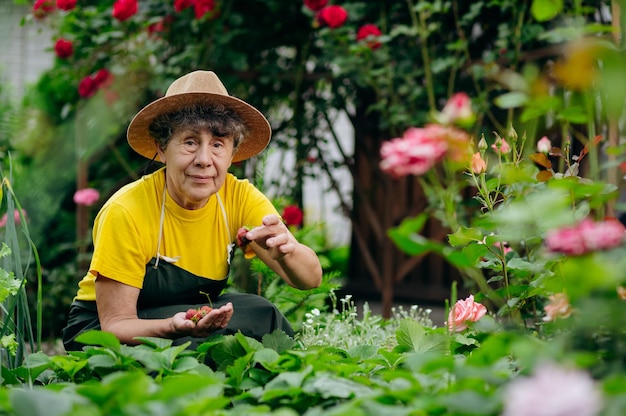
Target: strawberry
x,y
196,314
190,313
244,243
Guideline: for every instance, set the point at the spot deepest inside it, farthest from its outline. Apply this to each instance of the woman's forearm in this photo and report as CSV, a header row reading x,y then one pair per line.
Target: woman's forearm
x,y
302,268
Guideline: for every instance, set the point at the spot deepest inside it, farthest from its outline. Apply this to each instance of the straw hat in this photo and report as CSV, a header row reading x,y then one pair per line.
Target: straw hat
x,y
199,87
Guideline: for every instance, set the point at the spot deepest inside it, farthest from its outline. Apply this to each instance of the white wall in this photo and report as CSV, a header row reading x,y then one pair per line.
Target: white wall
x,y
321,202
25,49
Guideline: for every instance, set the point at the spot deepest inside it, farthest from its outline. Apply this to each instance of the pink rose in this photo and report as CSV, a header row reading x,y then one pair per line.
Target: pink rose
x,y
558,307
602,235
63,48
458,109
465,311
66,4
16,218
553,390
419,149
585,237
332,16
501,146
478,165
292,215
86,196
315,5
567,240
369,33
544,145
124,9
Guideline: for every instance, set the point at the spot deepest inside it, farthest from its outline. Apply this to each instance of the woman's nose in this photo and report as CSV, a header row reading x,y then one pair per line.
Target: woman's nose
x,y
204,155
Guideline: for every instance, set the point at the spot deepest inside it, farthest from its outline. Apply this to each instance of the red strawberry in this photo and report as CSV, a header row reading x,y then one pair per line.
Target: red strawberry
x,y
190,313
242,241
205,310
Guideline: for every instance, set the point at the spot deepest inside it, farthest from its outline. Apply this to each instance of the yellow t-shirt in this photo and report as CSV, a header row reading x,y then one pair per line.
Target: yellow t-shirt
x,y
126,231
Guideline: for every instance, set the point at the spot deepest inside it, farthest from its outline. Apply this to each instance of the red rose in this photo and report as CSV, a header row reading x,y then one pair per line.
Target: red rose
x,y
66,4
332,16
368,32
42,8
87,87
124,9
292,215
101,77
202,7
180,5
315,5
162,25
63,48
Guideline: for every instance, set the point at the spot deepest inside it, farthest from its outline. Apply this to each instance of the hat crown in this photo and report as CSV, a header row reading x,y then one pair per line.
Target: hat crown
x,y
197,81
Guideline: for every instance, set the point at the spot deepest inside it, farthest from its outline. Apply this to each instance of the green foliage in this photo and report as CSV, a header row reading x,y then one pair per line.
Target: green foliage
x,y
428,370
344,327
17,254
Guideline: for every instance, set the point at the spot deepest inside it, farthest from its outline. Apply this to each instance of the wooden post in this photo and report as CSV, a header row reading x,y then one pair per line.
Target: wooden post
x,y
82,219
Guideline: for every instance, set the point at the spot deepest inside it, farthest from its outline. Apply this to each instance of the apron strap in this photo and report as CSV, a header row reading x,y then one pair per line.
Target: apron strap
x,y
158,253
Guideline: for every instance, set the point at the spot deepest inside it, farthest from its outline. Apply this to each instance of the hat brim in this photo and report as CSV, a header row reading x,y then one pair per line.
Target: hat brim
x,y
260,131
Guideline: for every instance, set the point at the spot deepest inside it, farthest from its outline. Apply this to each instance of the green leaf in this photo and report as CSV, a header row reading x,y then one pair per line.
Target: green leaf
x,y
101,338
513,99
331,386
179,385
40,402
266,357
412,336
278,340
544,10
186,364
406,236
574,114
102,361
9,285
464,236
156,343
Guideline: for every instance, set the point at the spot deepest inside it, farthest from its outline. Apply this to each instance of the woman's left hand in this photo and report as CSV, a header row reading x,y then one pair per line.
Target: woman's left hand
x,y
216,319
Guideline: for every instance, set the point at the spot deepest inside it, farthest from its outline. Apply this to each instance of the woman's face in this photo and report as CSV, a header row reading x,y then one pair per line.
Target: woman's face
x,y
196,163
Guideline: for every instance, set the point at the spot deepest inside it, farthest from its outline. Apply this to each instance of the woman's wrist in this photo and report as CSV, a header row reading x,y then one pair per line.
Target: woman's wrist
x,y
173,331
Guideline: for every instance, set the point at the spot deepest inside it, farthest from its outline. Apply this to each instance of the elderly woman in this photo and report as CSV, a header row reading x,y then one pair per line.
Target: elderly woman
x,y
163,244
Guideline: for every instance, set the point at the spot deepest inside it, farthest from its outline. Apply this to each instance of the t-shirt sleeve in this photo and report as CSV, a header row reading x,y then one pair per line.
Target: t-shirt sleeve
x,y
120,251
251,205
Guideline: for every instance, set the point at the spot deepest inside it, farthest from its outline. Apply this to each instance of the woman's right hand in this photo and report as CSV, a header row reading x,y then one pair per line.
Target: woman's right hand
x,y
211,322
